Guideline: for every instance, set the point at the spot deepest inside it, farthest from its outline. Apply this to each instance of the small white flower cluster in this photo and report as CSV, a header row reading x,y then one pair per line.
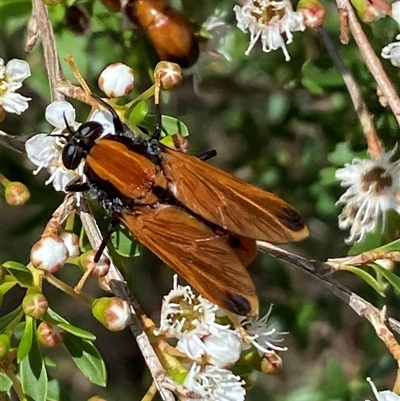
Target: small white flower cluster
x,y
383,395
11,77
214,348
373,188
271,21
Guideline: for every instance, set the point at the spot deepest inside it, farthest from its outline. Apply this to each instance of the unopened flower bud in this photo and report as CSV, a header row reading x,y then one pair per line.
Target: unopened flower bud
x,y
49,254
113,313
117,80
97,269
170,74
17,194
71,241
50,334
4,344
313,12
372,10
271,363
223,349
35,305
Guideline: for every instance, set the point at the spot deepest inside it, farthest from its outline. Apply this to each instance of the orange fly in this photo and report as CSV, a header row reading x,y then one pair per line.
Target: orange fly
x,y
169,31
198,219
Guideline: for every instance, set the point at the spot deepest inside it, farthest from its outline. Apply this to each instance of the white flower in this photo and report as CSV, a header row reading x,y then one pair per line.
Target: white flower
x,y
45,150
392,52
383,395
223,349
117,80
11,77
184,314
261,336
49,254
373,188
270,21
213,384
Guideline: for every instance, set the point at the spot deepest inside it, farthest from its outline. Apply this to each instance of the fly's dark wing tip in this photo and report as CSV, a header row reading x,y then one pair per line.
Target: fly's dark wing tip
x,y
291,219
237,304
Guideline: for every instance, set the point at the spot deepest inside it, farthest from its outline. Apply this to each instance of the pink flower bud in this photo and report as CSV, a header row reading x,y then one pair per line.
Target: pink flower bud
x,y
71,241
17,194
49,254
114,313
170,74
4,345
99,269
50,334
117,80
35,305
313,12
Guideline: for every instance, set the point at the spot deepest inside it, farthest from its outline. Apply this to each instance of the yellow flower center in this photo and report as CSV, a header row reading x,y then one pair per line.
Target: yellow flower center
x,y
265,14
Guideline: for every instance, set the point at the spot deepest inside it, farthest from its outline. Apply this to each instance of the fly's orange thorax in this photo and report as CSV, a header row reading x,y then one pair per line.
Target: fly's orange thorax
x,y
125,172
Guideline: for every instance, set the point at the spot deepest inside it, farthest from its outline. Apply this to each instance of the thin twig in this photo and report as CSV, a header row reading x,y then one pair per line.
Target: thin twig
x,y
54,72
374,143
323,271
372,61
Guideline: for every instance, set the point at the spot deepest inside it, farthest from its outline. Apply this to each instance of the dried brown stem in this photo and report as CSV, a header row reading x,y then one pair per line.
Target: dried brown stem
x,y
374,143
372,61
54,72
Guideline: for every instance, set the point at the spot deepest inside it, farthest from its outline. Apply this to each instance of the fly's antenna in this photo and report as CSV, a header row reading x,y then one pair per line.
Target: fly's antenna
x,y
69,129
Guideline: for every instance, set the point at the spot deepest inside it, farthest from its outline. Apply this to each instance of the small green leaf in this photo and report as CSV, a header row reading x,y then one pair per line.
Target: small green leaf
x,y
77,331
5,320
20,272
124,244
25,344
53,392
55,318
5,383
33,375
139,112
172,125
371,281
391,247
87,358
5,287
392,278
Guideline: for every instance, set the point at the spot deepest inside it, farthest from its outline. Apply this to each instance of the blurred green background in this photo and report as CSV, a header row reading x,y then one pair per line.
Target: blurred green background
x,y
283,126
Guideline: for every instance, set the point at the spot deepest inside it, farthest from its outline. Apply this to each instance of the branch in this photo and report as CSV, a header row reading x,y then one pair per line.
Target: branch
x,y
366,120
323,271
372,61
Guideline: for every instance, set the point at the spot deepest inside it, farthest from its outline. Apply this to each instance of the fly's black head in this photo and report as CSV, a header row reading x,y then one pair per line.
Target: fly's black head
x,y
80,142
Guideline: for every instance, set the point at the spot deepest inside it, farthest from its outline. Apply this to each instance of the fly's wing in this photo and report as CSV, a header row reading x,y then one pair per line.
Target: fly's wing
x,y
229,202
196,253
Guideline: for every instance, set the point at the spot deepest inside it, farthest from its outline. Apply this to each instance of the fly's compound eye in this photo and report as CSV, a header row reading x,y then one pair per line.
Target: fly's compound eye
x,y
72,156
90,131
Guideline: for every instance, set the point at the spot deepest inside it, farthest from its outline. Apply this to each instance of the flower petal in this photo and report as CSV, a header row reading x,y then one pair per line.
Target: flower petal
x,y
14,102
56,111
17,70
